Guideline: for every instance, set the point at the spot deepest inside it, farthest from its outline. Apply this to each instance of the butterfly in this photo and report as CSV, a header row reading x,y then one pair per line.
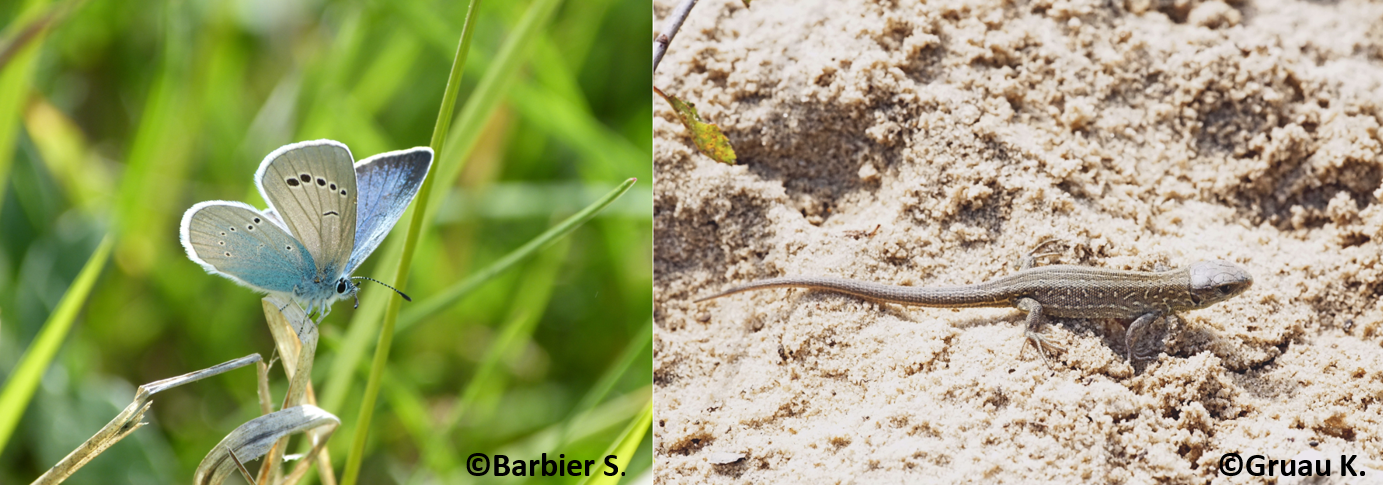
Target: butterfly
x,y
326,214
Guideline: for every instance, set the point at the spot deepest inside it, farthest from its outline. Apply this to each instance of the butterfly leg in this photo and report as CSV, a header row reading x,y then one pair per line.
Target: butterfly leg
x,y
324,311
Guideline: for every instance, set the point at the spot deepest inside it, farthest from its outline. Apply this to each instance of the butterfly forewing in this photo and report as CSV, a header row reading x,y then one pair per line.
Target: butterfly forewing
x,y
313,235
312,188
237,241
387,183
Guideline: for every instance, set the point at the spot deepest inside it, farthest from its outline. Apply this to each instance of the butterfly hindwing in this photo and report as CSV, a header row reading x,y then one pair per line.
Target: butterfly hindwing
x,y
311,186
239,242
387,183
318,227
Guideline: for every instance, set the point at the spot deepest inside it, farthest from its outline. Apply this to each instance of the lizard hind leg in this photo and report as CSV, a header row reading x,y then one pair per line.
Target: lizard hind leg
x,y
1029,260
1033,330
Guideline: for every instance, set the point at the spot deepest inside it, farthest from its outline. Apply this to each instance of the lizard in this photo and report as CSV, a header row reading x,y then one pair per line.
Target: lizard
x,y
1063,291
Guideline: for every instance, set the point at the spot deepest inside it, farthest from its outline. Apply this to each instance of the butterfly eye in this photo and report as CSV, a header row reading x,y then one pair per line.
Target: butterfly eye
x,y
341,286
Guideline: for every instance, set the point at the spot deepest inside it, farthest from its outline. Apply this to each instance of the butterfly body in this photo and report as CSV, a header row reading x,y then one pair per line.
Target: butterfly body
x,y
326,215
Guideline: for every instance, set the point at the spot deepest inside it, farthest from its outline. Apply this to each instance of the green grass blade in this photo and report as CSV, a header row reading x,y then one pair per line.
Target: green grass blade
x,y
455,292
477,399
625,447
458,141
409,405
606,153
363,325
492,88
365,322
386,334
608,380
458,66
609,415
517,330
159,151
64,149
15,77
387,73
20,387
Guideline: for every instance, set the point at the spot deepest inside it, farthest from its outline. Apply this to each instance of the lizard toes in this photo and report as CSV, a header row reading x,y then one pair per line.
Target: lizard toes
x,y
1042,344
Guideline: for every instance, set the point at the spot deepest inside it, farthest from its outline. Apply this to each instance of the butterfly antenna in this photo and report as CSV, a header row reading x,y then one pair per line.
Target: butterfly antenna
x,y
396,290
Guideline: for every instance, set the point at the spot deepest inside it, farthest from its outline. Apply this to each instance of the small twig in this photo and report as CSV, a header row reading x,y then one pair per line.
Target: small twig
x,y
669,31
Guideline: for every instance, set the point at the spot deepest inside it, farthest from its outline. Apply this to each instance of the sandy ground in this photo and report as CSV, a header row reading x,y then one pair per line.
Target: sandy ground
x,y
934,144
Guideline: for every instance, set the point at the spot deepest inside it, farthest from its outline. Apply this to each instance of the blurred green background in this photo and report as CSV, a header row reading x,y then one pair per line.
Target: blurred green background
x,y
120,115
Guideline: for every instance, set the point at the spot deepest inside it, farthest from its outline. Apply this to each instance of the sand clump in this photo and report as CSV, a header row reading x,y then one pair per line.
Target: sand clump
x,y
931,144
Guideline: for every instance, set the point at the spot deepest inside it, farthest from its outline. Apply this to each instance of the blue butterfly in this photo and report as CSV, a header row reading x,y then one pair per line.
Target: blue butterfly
x,y
326,215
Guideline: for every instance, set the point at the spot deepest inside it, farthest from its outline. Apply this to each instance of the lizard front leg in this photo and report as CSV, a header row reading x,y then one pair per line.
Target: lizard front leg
x,y
1143,339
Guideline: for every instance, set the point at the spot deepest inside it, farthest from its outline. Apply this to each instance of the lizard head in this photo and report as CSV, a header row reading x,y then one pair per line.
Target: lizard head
x,y
1215,281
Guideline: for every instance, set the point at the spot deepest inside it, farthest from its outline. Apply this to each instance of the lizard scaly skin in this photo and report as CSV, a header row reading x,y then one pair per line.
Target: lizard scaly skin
x,y
1064,291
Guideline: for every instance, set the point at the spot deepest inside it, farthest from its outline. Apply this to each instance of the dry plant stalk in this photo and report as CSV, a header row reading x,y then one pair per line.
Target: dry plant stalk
x,y
255,438
295,337
131,419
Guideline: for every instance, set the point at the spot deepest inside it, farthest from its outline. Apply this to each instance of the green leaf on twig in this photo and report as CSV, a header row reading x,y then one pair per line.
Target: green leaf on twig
x,y
707,136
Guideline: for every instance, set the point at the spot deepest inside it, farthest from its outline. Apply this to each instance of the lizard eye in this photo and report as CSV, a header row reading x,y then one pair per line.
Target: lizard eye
x,y
1227,288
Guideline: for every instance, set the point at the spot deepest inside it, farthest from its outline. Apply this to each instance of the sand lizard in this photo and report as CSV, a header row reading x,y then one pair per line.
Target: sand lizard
x,y
1064,291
